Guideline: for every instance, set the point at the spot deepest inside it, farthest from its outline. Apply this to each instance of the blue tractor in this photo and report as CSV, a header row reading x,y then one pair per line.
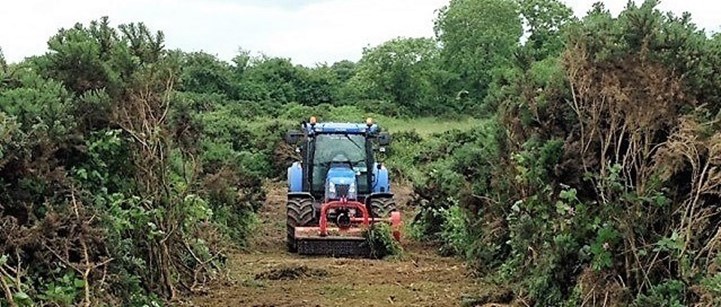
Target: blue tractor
x,y
338,189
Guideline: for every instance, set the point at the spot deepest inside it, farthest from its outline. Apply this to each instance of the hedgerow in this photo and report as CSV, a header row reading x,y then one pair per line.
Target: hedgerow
x,y
598,182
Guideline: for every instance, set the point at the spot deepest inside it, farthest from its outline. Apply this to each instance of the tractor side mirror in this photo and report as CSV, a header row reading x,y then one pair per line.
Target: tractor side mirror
x,y
384,139
292,137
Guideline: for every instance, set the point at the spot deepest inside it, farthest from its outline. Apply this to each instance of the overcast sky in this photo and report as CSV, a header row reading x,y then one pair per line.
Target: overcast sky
x,y
307,31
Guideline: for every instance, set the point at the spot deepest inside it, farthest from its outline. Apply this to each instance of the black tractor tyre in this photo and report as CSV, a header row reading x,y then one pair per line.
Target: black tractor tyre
x,y
382,207
299,214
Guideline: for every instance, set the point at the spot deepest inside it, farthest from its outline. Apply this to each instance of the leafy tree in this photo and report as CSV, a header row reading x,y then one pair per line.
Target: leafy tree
x,y
401,71
316,85
3,63
278,80
544,20
240,63
275,78
204,73
478,37
343,70
99,56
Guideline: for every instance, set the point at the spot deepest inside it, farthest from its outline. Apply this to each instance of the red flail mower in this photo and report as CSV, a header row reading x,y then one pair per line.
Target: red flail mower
x,y
345,236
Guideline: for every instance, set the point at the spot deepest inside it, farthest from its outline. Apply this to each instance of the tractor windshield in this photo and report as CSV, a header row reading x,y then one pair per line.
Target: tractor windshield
x,y
330,149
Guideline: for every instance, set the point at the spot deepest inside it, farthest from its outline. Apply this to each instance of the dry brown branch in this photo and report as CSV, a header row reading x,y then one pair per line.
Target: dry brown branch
x,y
6,288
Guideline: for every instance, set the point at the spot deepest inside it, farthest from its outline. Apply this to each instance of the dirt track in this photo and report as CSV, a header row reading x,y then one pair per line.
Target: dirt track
x,y
270,276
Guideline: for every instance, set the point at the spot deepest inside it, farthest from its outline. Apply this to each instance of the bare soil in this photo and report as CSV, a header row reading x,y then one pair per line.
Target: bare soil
x,y
268,275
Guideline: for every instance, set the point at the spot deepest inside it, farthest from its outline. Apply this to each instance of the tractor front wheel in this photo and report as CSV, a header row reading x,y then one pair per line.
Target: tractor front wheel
x,y
299,214
383,207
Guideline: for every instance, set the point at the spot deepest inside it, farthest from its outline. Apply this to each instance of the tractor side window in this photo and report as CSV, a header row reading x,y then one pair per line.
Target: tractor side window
x,y
336,149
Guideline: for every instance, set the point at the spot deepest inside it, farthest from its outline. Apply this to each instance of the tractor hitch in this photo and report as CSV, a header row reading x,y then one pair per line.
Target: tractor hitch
x,y
341,204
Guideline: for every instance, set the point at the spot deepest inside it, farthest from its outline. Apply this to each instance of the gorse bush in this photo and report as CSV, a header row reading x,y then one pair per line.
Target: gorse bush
x,y
105,194
594,177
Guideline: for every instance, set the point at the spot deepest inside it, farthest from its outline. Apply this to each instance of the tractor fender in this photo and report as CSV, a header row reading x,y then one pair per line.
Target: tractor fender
x,y
372,196
295,178
381,182
378,195
300,195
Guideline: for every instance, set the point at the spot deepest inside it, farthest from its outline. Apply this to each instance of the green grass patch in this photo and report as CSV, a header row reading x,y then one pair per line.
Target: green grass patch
x,y
426,126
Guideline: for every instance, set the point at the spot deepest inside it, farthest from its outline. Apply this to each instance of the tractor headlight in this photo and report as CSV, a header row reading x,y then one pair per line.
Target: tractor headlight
x,y
352,191
330,191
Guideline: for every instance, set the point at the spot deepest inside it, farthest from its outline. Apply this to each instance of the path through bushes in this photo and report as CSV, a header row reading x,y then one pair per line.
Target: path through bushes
x,y
267,275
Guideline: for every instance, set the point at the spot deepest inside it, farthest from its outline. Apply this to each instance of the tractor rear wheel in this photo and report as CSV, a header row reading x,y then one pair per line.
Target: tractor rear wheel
x,y
382,207
299,214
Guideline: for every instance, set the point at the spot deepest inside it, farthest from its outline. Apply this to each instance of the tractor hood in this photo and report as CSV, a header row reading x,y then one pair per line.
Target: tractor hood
x,y
341,183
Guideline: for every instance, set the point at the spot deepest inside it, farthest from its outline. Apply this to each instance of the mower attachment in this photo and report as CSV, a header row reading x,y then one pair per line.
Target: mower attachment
x,y
346,237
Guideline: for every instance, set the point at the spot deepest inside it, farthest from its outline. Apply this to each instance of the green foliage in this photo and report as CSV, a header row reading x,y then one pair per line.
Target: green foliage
x,y
3,63
545,21
63,291
344,70
454,231
670,293
601,248
455,165
402,71
203,73
559,196
712,286
39,103
479,37
99,56
85,185
380,239
402,154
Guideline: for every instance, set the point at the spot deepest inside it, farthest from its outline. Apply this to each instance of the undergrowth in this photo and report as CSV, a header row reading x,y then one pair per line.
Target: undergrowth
x,y
594,180
380,240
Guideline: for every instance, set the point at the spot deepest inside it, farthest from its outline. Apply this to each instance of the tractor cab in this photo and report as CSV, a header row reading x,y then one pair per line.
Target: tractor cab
x,y
340,166
338,177
338,161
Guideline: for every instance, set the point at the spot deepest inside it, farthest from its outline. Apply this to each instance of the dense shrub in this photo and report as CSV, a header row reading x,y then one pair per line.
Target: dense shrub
x,y
108,192
596,178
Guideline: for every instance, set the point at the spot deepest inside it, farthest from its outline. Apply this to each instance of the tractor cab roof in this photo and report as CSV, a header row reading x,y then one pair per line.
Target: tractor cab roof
x,y
351,128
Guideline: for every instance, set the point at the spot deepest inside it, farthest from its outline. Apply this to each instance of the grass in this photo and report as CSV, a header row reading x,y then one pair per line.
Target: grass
x,y
427,125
